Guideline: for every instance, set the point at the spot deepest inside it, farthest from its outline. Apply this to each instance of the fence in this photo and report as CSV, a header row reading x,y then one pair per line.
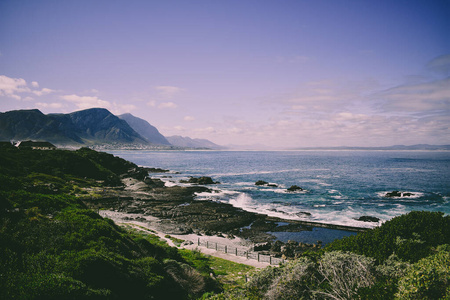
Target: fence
x,y
242,253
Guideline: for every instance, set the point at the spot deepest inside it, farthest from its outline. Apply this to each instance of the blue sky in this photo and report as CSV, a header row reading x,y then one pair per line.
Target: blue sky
x,y
278,73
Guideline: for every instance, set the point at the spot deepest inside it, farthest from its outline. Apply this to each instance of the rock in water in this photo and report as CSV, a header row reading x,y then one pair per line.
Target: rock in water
x,y
294,188
368,219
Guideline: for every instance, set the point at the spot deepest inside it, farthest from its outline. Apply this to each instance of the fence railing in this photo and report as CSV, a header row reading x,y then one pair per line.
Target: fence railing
x,y
240,252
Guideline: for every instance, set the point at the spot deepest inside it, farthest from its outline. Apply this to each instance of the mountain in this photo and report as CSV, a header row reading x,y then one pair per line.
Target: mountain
x,y
87,127
187,142
147,131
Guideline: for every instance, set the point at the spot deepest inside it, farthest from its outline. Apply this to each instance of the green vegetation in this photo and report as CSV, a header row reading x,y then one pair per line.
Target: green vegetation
x,y
405,258
53,247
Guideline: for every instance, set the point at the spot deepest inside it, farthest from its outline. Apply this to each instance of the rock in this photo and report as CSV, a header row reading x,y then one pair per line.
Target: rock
x,y
156,170
154,182
294,188
393,194
265,183
200,180
262,246
303,214
368,219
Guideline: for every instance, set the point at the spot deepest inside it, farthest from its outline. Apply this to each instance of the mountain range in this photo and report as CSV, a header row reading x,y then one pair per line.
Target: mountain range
x,y
90,127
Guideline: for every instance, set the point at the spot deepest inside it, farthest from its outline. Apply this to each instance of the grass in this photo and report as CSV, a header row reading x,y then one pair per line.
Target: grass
x,y
230,274
176,241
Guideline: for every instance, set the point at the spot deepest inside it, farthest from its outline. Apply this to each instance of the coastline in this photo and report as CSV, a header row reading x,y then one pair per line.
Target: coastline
x,y
174,211
152,225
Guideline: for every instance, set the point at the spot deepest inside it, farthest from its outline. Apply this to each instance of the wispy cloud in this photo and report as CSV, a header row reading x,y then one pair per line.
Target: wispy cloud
x,y
167,91
44,91
85,102
189,118
421,98
10,87
56,105
169,105
440,64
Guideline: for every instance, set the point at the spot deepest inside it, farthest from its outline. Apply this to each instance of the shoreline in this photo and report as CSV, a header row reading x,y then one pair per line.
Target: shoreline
x,y
173,210
152,226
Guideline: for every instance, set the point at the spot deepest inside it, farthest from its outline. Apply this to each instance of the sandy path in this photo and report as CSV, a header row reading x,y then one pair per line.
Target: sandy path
x,y
151,225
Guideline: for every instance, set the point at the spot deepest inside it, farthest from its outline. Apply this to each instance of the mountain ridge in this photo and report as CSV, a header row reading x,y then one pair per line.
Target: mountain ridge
x,y
145,129
85,127
187,142
94,127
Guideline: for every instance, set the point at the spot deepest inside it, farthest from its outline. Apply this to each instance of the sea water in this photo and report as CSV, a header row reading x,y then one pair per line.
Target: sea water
x,y
338,186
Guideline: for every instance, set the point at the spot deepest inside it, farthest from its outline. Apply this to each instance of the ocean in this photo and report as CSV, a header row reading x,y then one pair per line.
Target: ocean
x,y
339,187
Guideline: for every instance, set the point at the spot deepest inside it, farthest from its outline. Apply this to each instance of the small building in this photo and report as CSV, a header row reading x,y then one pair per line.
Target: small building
x,y
36,145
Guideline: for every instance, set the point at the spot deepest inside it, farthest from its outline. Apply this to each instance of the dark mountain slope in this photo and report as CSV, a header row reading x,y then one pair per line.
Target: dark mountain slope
x,y
181,141
86,127
145,129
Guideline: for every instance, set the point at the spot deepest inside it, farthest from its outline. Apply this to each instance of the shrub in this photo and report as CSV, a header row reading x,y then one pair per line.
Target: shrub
x,y
427,279
296,282
344,273
411,237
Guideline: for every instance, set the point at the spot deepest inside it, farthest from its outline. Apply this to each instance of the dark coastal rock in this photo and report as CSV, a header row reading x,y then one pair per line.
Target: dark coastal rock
x,y
265,183
262,246
368,219
200,180
303,214
395,194
294,188
154,182
156,170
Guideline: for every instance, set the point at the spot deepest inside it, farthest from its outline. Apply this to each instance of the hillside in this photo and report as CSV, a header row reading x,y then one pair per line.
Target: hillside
x,y
145,129
188,142
53,247
86,127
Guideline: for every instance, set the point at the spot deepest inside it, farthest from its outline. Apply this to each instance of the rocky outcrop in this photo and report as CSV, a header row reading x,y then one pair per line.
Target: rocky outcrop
x,y
294,188
368,219
397,194
200,180
265,183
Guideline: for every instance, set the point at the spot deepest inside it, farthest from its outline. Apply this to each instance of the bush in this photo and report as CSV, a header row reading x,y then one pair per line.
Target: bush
x,y
411,237
427,279
343,274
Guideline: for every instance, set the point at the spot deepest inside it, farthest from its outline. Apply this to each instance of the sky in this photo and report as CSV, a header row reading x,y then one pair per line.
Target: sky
x,y
282,73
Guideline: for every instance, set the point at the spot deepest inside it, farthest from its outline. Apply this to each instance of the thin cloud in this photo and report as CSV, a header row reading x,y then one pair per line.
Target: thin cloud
x,y
167,91
85,102
419,98
189,118
169,105
11,86
440,64
56,105
44,91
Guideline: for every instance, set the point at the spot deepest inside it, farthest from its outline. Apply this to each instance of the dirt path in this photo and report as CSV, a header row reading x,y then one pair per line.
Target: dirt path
x,y
150,225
